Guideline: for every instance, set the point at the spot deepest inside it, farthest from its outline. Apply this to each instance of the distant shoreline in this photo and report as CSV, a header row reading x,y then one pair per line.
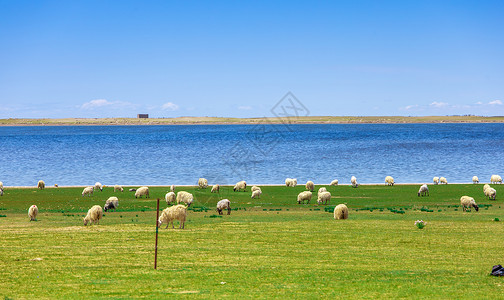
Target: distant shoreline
x,y
245,121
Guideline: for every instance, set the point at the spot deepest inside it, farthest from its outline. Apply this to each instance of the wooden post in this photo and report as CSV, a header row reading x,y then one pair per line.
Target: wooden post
x,y
157,230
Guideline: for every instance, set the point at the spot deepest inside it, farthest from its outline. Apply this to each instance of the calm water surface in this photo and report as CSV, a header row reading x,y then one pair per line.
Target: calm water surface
x,y
225,154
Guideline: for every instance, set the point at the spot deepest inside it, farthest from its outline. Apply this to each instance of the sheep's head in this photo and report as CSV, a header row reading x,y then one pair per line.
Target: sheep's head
x,y
476,207
85,221
159,223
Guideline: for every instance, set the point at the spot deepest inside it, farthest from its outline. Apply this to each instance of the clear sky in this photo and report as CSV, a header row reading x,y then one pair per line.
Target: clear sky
x,y
239,58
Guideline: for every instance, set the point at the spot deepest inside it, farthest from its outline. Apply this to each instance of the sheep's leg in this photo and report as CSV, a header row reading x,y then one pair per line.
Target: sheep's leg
x,y
229,211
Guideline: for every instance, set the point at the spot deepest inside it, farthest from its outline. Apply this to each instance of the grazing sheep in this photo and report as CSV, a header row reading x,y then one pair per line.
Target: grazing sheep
x,y
341,212
292,182
88,191
468,202
389,180
215,188
170,198
1,185
353,180
98,186
443,180
94,215
334,182
435,180
486,186
202,183
423,191
185,197
495,179
33,212
118,188
310,186
255,188
224,204
475,179
172,213
241,185
321,190
324,197
55,185
41,185
111,203
256,194
306,195
490,193
142,191
172,188
132,190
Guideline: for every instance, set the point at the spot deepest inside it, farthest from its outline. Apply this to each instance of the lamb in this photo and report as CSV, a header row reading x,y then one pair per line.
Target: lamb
x,y
185,197
468,202
142,191
33,212
324,197
241,185
215,188
321,190
88,191
490,193
291,182
118,188
443,180
341,212
94,215
495,179
486,186
310,186
475,179
224,204
170,198
306,195
256,194
98,186
436,180
255,188
202,183
334,182
41,185
389,180
353,180
172,213
111,203
172,188
423,191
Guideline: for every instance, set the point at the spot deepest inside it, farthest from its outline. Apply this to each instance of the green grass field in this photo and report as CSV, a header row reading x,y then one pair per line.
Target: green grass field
x,y
267,248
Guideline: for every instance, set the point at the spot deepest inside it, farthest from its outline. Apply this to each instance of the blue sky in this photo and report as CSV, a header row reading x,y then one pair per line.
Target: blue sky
x,y
239,58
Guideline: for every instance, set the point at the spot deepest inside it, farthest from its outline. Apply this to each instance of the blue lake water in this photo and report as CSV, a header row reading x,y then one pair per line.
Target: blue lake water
x,y
263,154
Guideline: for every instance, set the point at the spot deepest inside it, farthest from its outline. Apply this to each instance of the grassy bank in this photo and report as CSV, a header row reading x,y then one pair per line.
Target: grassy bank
x,y
267,248
216,120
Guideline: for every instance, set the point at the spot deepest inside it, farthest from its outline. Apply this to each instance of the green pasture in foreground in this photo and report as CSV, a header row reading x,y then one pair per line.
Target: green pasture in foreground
x,y
267,248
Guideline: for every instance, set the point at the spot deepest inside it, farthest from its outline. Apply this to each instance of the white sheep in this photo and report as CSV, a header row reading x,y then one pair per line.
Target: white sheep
x,y
255,188
41,184
118,188
306,195
353,180
224,204
495,179
475,179
98,186
172,213
185,197
33,212
241,185
256,194
324,197
1,185
94,215
215,188
321,190
334,182
310,186
423,191
142,191
87,191
172,188
468,202
490,193
341,212
202,183
170,198
111,203
389,180
435,180
443,180
291,182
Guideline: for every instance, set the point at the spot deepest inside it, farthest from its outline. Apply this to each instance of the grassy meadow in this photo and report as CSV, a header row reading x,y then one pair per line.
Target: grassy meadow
x,y
267,248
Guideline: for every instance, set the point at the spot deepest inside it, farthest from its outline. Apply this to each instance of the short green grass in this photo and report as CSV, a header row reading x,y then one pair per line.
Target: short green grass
x,y
267,248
